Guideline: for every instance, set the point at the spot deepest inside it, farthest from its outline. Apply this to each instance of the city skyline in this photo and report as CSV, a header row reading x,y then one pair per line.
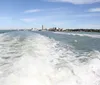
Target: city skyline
x,y
51,13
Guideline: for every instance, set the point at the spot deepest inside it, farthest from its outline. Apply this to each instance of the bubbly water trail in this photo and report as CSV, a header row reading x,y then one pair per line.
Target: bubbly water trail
x,y
39,60
79,34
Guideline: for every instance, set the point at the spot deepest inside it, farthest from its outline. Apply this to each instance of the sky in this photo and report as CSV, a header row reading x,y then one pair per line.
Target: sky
x,y
18,14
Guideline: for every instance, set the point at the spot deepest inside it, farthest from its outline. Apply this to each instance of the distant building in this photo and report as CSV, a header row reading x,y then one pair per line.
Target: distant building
x,y
42,27
31,29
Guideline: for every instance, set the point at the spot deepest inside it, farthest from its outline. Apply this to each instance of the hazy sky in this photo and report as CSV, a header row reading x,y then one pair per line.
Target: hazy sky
x,y
50,13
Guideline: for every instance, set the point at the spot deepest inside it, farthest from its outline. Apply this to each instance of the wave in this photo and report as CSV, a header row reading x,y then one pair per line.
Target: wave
x,y
79,34
39,60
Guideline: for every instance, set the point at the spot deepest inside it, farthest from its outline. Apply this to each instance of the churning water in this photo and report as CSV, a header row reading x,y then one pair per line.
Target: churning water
x,y
45,58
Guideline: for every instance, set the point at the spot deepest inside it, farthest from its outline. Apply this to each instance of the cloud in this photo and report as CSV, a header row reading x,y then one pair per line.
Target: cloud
x,y
94,10
28,19
32,11
76,1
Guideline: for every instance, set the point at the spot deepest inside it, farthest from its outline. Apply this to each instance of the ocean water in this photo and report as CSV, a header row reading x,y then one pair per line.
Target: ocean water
x,y
49,58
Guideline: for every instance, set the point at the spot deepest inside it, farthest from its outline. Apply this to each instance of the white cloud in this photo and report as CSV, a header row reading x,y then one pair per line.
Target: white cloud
x,y
94,10
76,1
32,11
28,19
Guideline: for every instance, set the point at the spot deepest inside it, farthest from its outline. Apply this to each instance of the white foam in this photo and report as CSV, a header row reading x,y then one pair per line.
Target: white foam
x,y
44,62
79,34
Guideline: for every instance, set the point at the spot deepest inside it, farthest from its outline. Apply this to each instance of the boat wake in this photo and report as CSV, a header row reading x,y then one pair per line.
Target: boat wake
x,y
79,34
34,59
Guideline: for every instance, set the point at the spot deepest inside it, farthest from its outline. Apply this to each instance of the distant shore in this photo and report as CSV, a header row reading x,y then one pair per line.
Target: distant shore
x,y
71,30
82,30
55,30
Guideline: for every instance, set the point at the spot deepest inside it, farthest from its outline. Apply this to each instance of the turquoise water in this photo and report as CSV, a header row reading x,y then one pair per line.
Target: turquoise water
x,y
49,58
82,42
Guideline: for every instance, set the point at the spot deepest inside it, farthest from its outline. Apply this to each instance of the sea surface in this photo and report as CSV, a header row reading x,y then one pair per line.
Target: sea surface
x,y
49,58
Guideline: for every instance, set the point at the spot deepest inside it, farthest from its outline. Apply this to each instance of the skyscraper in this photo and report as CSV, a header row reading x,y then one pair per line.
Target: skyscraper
x,y
42,27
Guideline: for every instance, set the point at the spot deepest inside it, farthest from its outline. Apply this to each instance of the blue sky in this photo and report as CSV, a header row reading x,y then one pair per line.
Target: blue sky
x,y
19,14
